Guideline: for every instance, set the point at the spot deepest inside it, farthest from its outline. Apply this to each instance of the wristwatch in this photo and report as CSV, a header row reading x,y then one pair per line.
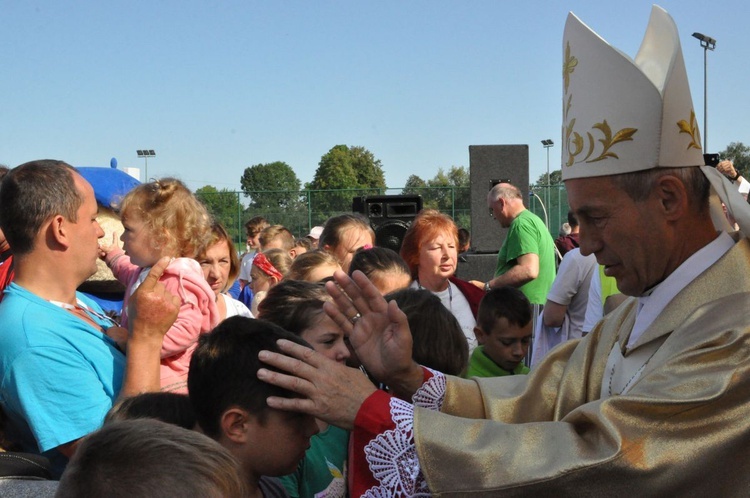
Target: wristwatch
x,y
487,287
734,179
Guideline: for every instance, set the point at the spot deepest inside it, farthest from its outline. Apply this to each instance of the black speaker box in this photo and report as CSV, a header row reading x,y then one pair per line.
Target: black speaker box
x,y
390,216
490,164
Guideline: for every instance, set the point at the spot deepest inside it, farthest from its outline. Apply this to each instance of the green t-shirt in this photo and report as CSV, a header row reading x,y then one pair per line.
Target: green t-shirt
x,y
480,365
527,234
322,473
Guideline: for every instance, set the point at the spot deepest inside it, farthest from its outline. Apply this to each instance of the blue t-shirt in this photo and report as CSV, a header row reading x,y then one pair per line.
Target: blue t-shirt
x,y
58,374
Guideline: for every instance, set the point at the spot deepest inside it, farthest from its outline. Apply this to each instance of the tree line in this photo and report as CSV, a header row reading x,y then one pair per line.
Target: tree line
x,y
344,172
274,190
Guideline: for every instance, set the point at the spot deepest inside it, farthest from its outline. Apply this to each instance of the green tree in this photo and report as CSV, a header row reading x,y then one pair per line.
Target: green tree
x,y
274,192
739,154
449,193
225,206
555,178
354,171
369,170
271,186
552,198
413,185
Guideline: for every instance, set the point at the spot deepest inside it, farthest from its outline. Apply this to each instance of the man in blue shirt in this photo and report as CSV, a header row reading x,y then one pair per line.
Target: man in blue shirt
x,y
59,371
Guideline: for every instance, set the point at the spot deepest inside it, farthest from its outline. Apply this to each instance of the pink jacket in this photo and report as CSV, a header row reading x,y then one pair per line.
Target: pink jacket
x,y
198,312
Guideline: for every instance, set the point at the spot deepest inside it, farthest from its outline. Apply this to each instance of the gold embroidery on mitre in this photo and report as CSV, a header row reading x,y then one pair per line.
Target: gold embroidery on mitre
x,y
569,65
691,129
574,141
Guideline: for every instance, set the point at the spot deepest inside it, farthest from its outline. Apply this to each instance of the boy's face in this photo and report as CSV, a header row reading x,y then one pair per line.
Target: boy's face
x,y
507,344
277,444
253,240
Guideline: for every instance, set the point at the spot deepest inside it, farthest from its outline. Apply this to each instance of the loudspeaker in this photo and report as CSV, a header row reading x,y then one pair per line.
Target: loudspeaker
x,y
488,165
390,216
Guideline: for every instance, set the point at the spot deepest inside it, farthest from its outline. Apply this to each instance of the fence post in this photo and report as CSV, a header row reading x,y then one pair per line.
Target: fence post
x,y
239,222
309,211
453,201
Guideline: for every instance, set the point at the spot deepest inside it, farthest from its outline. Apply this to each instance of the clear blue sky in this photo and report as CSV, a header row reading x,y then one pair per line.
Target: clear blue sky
x,y
215,87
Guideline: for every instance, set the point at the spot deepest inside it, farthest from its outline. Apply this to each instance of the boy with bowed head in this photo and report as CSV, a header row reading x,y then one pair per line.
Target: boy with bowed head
x,y
229,403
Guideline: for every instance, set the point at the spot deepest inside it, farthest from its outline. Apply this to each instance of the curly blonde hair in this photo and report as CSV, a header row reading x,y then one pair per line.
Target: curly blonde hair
x,y
178,221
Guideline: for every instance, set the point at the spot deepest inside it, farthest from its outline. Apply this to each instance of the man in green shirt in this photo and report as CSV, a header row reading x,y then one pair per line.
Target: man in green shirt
x,y
527,258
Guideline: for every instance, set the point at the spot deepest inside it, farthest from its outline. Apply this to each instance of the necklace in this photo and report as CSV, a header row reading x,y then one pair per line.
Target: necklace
x,y
81,310
633,378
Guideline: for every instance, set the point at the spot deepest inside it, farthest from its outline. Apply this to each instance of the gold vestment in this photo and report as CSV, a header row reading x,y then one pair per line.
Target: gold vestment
x,y
682,428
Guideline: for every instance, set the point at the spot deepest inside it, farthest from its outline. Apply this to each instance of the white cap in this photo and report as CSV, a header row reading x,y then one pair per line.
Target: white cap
x,y
315,232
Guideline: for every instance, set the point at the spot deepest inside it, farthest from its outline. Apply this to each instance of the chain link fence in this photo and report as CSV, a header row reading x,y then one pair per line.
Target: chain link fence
x,y
299,211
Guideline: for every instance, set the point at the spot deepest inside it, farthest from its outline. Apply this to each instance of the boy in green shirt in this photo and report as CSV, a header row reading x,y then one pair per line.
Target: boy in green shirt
x,y
504,333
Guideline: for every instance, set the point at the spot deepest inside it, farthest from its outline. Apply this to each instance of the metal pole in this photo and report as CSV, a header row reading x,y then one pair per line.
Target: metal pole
x,y
705,98
549,180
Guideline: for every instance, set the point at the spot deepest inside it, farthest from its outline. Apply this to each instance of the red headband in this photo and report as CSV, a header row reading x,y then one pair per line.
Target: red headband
x,y
261,261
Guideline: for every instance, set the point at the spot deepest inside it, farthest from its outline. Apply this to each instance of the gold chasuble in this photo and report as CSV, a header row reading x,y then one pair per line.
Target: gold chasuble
x,y
682,428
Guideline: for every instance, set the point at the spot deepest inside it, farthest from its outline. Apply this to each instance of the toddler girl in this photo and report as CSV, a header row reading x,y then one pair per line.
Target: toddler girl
x,y
163,218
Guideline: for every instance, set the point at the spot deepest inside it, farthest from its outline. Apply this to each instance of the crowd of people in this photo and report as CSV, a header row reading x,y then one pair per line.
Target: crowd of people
x,y
322,366
96,369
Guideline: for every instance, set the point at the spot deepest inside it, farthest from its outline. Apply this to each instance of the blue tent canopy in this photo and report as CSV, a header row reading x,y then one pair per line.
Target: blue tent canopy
x,y
110,184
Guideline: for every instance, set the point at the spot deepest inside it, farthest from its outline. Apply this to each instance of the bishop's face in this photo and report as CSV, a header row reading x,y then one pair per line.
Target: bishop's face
x,y
631,239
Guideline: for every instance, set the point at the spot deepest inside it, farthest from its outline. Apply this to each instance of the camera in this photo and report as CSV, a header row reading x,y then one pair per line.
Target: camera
x,y
711,159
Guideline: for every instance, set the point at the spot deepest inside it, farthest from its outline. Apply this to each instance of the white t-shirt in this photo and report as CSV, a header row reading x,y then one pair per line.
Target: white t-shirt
x,y
571,288
235,308
455,302
245,265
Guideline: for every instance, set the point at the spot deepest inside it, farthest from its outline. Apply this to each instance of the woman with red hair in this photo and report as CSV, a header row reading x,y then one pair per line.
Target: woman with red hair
x,y
430,248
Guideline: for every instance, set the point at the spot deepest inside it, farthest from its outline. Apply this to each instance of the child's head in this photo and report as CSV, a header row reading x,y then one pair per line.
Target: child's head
x,y
219,260
439,342
301,246
384,267
163,218
253,227
297,306
276,237
464,240
313,266
230,401
171,408
269,268
504,326
151,458
342,235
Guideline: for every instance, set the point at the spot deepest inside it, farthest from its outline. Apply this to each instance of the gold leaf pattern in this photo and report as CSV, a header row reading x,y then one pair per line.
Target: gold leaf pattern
x,y
575,142
691,129
568,66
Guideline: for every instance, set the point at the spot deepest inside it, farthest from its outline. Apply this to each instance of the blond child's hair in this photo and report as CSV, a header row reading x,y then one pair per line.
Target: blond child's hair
x,y
277,232
179,222
280,259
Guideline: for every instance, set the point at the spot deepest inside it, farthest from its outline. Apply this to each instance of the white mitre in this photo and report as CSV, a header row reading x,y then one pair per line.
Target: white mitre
x,y
622,115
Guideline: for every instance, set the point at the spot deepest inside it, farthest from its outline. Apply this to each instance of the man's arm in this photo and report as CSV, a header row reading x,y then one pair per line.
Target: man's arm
x,y
525,270
554,314
152,311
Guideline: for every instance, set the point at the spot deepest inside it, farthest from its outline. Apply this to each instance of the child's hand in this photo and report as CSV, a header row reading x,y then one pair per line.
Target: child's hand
x,y
119,335
105,248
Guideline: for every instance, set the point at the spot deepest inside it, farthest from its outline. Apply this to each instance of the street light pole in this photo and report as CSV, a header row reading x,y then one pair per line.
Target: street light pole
x,y
707,43
145,154
547,144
